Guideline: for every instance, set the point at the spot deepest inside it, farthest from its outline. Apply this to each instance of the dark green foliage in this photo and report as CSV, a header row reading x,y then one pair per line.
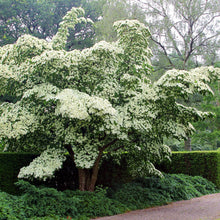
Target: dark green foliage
x,y
135,196
45,201
201,163
7,208
97,203
152,191
10,164
114,170
48,203
38,202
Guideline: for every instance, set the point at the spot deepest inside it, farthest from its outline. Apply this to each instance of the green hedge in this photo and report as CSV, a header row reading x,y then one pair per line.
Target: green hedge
x,y
201,163
10,164
195,163
66,178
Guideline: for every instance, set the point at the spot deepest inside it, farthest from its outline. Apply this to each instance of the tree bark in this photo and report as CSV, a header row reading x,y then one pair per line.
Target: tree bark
x,y
88,177
82,179
70,151
187,146
95,171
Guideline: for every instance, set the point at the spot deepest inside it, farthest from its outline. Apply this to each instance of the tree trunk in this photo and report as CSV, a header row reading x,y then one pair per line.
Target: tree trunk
x,y
95,171
88,177
187,146
82,179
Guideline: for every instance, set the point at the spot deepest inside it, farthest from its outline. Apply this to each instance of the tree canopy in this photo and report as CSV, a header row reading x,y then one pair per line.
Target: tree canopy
x,y
95,100
185,32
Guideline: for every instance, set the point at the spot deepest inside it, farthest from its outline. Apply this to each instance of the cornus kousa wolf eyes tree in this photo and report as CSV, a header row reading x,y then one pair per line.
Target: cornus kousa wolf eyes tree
x,y
92,101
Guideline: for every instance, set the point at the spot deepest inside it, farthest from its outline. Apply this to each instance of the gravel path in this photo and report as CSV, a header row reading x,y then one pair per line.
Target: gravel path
x,y
201,208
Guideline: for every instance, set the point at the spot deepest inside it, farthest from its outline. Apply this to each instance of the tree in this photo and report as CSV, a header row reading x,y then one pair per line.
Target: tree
x,y
114,10
184,30
41,19
90,101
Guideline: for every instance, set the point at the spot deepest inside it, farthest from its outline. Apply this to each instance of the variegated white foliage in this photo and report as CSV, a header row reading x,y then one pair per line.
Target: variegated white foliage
x,y
100,95
72,17
42,91
16,121
44,166
188,82
86,155
75,104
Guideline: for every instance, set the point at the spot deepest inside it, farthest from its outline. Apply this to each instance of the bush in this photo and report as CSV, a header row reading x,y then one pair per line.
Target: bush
x,y
38,202
97,203
48,203
135,196
152,191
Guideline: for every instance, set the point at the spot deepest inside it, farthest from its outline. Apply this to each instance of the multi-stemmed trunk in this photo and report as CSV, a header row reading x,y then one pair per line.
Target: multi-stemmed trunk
x,y
88,177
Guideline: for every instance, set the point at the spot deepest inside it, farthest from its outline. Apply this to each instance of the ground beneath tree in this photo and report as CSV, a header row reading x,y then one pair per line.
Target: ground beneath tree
x,y
202,208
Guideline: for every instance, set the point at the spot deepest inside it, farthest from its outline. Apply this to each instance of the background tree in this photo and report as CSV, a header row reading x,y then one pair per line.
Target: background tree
x,y
41,19
183,30
114,10
90,101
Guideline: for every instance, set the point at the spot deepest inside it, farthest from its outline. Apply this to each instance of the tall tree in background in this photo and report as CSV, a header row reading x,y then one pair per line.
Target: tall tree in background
x,y
114,10
183,30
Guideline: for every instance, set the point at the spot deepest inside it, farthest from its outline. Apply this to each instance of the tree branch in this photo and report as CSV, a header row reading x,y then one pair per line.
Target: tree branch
x,y
109,144
70,151
165,52
205,26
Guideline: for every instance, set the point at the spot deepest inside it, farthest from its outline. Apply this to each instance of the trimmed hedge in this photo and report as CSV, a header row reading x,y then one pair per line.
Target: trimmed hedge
x,y
201,163
10,164
66,178
194,163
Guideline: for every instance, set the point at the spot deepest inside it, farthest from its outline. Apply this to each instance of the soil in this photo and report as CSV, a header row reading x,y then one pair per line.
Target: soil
x,y
201,208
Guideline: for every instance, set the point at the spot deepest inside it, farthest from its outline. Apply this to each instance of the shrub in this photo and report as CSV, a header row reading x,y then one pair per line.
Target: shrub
x,y
41,203
48,203
38,202
96,203
151,191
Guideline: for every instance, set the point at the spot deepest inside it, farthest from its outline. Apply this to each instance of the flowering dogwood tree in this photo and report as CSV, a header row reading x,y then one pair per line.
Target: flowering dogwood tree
x,y
90,101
